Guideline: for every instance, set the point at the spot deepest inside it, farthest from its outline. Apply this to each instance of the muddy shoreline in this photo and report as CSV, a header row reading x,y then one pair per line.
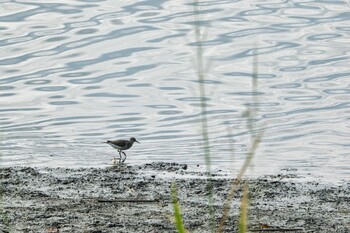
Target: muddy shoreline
x,y
137,199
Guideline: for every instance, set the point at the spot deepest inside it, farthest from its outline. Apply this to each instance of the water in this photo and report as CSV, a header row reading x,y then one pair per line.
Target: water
x,y
76,73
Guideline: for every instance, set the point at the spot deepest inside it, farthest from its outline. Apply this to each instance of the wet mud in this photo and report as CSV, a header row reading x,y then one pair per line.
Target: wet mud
x,y
138,199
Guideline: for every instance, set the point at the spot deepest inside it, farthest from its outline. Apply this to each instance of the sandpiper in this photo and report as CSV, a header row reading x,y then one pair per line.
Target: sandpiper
x,y
121,145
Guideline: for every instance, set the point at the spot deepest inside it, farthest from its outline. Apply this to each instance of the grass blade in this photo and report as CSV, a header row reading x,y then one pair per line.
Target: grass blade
x,y
177,210
244,210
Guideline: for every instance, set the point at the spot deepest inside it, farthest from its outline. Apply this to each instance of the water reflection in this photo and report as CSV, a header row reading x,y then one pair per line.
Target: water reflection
x,y
74,75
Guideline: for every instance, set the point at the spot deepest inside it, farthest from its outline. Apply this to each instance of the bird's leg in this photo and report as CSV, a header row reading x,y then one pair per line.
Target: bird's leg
x,y
124,157
120,156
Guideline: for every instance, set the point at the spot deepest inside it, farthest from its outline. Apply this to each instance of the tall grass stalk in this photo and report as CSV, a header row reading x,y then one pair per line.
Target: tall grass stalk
x,y
201,71
244,210
177,210
251,115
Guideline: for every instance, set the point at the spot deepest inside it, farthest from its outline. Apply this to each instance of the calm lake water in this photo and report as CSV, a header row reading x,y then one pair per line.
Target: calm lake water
x,y
76,73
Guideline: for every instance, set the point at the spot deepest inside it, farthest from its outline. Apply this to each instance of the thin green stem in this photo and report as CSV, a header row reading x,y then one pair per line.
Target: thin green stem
x,y
203,104
177,210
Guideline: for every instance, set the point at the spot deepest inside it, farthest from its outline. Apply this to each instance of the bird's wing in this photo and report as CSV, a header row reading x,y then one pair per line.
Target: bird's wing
x,y
120,143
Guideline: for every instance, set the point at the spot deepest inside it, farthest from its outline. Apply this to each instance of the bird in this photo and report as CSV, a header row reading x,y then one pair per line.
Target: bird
x,y
121,145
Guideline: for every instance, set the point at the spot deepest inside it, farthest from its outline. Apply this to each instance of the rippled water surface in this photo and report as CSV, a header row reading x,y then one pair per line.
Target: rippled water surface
x,y
75,73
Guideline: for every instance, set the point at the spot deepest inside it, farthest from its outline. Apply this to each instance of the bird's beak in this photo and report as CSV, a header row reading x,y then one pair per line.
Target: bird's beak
x,y
137,141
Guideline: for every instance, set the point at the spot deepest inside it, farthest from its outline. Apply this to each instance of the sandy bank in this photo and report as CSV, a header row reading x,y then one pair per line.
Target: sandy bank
x,y
137,199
